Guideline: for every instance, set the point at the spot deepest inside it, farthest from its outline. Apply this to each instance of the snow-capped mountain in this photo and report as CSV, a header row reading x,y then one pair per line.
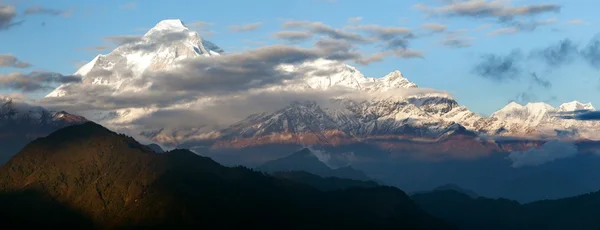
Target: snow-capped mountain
x,y
390,106
21,123
20,113
160,48
325,74
541,119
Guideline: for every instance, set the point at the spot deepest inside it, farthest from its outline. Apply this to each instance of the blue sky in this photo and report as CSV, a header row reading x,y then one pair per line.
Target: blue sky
x,y
60,40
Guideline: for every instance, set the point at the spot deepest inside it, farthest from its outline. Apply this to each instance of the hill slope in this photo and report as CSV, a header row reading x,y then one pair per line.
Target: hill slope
x,y
580,212
305,160
109,180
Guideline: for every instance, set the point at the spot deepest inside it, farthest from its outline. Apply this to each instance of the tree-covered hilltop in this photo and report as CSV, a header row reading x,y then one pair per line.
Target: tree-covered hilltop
x,y
85,175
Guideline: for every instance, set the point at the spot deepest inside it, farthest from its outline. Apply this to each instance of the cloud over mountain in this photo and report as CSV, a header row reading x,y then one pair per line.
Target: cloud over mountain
x,y
34,81
550,151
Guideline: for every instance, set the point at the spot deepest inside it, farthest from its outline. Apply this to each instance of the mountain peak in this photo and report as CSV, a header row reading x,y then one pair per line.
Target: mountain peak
x,y
161,48
171,25
538,106
304,153
511,106
394,75
575,105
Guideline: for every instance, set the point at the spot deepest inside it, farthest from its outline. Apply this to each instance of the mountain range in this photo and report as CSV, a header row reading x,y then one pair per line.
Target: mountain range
x,y
86,176
388,127
389,109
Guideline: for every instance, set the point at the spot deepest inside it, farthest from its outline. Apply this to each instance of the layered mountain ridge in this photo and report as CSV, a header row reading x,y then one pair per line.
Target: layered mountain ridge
x,y
21,123
391,107
88,176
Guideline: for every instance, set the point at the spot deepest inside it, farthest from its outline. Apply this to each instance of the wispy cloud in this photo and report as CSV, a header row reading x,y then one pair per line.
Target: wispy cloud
x,y
557,55
8,14
129,6
591,52
434,27
499,68
575,22
385,32
525,97
504,31
510,17
323,29
521,26
123,39
33,81
394,41
199,24
293,36
8,60
355,19
202,28
47,11
96,48
498,9
246,27
540,82
483,27
455,41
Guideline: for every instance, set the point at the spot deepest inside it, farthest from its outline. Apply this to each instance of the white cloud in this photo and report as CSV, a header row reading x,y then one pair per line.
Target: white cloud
x,y
246,27
434,27
550,151
355,19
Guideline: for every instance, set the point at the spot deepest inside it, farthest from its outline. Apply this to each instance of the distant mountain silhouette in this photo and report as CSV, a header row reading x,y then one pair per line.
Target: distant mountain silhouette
x,y
156,148
305,160
17,131
86,176
457,188
580,212
324,184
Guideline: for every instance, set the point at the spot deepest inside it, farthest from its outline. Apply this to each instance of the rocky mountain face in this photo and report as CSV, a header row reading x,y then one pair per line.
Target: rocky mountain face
x,y
21,123
390,112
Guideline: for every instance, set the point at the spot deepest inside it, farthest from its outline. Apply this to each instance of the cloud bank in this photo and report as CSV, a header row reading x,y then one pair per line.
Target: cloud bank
x,y
550,151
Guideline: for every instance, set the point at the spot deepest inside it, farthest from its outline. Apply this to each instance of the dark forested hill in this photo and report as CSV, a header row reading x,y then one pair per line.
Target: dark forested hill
x,y
86,175
577,213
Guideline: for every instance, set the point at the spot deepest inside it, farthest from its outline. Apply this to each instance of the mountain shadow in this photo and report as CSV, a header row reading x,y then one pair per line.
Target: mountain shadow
x,y
112,181
324,184
156,148
580,212
305,160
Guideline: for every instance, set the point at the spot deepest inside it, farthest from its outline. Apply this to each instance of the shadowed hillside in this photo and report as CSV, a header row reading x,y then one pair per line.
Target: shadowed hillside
x,y
305,160
94,176
325,184
580,212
